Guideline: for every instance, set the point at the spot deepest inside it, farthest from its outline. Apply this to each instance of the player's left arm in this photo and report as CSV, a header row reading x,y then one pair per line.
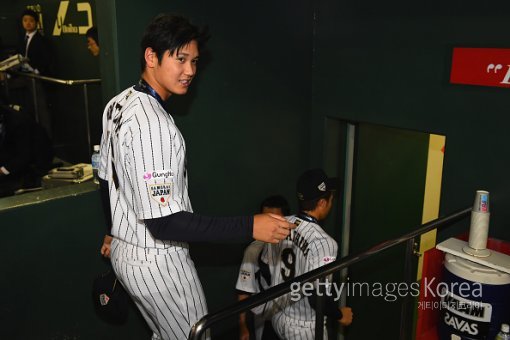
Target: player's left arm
x,y
191,227
323,250
160,200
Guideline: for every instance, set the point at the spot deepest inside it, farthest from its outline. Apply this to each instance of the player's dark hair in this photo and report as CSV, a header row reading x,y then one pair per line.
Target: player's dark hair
x,y
92,33
311,205
167,32
31,13
276,201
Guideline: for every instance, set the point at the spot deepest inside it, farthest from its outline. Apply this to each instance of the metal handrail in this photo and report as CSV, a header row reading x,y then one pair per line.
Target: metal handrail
x,y
55,80
68,82
205,322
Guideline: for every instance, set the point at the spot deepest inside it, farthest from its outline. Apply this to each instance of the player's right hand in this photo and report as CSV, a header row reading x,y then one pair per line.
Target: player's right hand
x,y
271,228
347,315
105,248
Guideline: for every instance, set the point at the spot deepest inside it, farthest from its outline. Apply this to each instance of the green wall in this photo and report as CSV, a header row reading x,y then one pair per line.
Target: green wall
x,y
50,253
389,63
273,73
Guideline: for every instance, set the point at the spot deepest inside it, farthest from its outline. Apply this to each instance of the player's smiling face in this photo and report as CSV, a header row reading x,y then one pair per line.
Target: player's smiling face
x,y
175,72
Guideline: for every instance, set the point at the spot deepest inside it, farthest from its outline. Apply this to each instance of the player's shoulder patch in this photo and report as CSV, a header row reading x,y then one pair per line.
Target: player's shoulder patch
x,y
159,184
245,275
328,259
161,193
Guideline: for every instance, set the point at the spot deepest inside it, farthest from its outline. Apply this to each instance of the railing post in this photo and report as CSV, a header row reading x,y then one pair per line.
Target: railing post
x,y
406,314
346,210
87,117
34,95
319,310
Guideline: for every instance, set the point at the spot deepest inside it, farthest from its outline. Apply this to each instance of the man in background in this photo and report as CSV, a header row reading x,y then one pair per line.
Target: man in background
x,y
92,41
35,46
39,53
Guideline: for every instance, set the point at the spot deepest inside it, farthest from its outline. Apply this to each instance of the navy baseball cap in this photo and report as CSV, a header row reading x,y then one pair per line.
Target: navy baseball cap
x,y
313,184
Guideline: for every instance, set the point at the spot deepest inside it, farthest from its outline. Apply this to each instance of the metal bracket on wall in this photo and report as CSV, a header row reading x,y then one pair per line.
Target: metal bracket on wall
x,y
416,249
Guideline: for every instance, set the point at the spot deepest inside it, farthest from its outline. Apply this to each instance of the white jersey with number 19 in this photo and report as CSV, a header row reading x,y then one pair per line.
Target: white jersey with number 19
x,y
306,248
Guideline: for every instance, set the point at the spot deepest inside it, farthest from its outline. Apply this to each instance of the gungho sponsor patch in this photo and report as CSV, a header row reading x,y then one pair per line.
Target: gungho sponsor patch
x,y
161,193
163,174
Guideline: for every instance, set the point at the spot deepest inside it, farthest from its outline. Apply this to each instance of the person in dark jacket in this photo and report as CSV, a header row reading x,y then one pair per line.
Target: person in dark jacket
x,y
38,49
26,153
35,46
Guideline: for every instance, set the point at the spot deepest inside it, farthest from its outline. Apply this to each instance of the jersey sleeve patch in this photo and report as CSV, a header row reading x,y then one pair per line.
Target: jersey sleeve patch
x,y
328,259
159,184
244,275
161,193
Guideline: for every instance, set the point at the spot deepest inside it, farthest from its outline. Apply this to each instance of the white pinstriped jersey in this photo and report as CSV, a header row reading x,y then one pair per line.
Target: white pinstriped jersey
x,y
247,280
250,279
306,248
143,158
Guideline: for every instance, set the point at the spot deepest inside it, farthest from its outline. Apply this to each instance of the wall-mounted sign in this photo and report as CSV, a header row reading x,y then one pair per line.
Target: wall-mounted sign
x,y
63,26
481,66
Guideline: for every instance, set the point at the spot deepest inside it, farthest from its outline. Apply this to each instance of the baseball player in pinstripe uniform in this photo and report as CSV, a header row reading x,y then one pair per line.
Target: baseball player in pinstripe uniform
x,y
254,277
306,248
145,186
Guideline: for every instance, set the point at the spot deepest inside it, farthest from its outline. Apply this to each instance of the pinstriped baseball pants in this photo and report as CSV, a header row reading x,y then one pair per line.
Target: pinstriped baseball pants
x,y
164,285
290,329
